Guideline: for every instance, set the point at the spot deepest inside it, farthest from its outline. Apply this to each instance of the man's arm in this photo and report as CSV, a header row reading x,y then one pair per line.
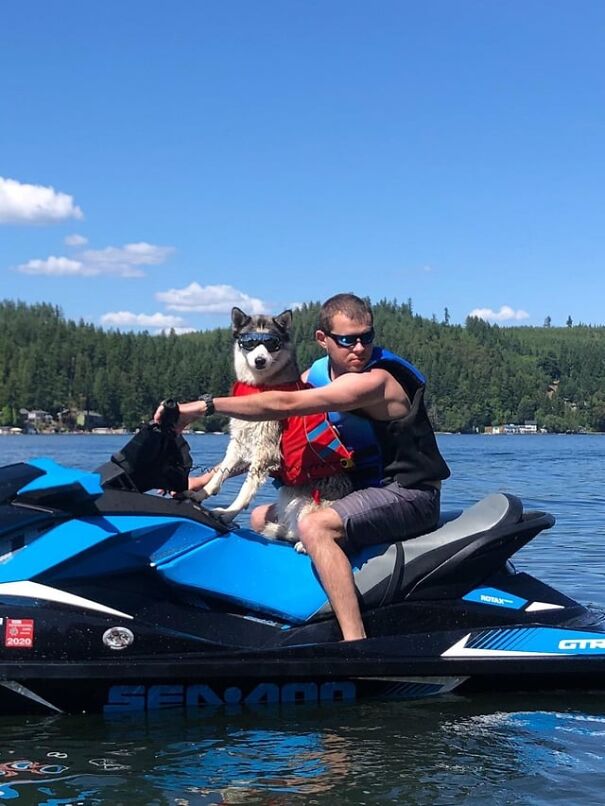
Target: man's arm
x,y
348,392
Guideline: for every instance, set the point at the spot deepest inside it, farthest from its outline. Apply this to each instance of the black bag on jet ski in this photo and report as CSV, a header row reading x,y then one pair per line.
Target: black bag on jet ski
x,y
156,457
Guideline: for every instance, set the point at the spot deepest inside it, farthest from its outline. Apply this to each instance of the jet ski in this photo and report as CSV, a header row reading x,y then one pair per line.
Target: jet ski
x,y
117,600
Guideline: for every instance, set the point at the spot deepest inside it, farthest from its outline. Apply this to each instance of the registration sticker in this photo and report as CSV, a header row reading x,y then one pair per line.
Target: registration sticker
x,y
19,633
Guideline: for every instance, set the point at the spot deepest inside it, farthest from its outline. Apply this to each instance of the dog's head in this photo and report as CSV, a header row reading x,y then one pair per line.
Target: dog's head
x,y
263,351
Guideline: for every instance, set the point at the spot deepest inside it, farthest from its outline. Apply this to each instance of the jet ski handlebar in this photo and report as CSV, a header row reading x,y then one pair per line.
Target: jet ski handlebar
x,y
170,414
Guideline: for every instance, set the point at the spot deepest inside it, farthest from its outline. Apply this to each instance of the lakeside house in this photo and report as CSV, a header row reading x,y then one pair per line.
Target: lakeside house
x,y
529,427
89,420
38,421
35,420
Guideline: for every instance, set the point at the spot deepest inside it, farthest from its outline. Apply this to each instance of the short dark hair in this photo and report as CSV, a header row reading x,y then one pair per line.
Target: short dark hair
x,y
352,306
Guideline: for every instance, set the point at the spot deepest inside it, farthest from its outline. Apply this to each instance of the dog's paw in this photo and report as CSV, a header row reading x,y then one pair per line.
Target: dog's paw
x,y
299,548
198,495
224,515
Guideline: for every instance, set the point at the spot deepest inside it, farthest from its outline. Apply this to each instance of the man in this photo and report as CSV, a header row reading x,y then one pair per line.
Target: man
x,y
376,400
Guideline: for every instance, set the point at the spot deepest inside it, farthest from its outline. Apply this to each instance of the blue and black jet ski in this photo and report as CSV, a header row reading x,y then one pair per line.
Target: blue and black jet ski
x,y
120,601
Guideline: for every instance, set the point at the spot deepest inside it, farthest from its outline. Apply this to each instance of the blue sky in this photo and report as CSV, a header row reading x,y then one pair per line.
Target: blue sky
x,y
162,162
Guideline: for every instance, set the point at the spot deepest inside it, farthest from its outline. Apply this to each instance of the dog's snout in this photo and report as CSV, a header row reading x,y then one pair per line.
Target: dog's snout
x,y
260,361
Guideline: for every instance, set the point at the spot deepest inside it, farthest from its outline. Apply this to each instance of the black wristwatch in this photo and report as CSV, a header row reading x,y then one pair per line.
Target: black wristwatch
x,y
209,401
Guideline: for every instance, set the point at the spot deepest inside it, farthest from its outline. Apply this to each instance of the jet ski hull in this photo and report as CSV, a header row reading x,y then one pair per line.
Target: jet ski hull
x,y
70,668
195,683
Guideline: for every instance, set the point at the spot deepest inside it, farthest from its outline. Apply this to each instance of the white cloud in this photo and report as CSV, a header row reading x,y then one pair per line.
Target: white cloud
x,y
128,319
505,314
76,240
34,204
126,260
123,261
295,306
56,266
210,299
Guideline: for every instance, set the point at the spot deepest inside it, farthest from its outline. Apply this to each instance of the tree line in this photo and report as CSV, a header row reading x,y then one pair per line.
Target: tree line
x,y
478,374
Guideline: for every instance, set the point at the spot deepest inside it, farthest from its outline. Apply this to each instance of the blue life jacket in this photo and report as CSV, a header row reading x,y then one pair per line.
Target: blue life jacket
x,y
405,449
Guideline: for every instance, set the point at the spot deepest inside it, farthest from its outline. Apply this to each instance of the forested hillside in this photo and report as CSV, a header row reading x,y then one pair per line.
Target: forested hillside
x,y
479,374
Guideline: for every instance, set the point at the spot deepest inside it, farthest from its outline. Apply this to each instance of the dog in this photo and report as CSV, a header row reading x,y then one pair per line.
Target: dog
x,y
263,356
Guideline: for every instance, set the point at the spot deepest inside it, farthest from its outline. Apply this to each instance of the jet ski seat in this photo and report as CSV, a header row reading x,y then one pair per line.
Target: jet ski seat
x,y
251,572
399,571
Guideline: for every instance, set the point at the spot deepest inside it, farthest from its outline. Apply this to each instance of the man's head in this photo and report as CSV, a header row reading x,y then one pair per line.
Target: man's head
x,y
346,332
353,307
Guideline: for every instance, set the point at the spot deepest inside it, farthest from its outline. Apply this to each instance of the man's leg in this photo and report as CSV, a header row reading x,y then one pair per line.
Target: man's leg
x,y
373,515
261,516
320,533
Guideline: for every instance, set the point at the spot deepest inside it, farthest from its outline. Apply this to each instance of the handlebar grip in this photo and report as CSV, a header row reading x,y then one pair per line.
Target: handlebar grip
x,y
170,415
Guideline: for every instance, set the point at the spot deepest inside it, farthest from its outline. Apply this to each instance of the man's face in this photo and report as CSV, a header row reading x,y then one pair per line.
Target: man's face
x,y
347,356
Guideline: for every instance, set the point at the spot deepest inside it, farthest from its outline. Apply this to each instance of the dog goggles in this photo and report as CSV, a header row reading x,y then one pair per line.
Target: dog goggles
x,y
351,339
250,341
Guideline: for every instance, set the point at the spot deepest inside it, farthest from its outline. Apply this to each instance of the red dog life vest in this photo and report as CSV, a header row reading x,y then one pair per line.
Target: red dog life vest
x,y
310,446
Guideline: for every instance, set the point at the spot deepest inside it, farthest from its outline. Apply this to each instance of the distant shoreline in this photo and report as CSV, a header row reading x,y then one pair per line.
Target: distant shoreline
x,y
124,433
106,432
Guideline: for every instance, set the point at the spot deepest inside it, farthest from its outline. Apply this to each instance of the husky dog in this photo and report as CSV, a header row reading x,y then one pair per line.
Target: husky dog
x,y
264,357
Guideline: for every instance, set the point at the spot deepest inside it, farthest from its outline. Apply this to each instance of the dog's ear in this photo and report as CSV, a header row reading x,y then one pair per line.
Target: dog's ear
x,y
283,321
239,319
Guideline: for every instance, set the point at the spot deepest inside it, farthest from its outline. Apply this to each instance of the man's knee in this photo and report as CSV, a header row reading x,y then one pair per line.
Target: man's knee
x,y
261,516
319,526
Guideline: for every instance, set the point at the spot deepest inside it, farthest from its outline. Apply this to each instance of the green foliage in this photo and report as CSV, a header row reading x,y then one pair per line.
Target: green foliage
x,y
6,415
478,374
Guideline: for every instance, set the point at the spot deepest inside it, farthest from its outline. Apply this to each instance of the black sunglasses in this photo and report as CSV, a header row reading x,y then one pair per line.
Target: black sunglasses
x,y
351,339
250,341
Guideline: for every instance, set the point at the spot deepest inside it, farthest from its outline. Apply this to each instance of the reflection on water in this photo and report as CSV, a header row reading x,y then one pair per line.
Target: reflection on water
x,y
516,749
423,753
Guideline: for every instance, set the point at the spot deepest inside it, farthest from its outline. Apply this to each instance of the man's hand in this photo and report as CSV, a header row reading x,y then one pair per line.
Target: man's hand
x,y
188,412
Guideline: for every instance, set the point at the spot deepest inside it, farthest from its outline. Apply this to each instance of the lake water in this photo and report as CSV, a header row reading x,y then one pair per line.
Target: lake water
x,y
516,749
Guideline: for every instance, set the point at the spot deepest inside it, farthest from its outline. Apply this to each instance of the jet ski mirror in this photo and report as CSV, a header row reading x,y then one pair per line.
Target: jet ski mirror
x,y
155,458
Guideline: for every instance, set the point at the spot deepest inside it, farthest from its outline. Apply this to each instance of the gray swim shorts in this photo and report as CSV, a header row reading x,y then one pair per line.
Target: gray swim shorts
x,y
387,514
